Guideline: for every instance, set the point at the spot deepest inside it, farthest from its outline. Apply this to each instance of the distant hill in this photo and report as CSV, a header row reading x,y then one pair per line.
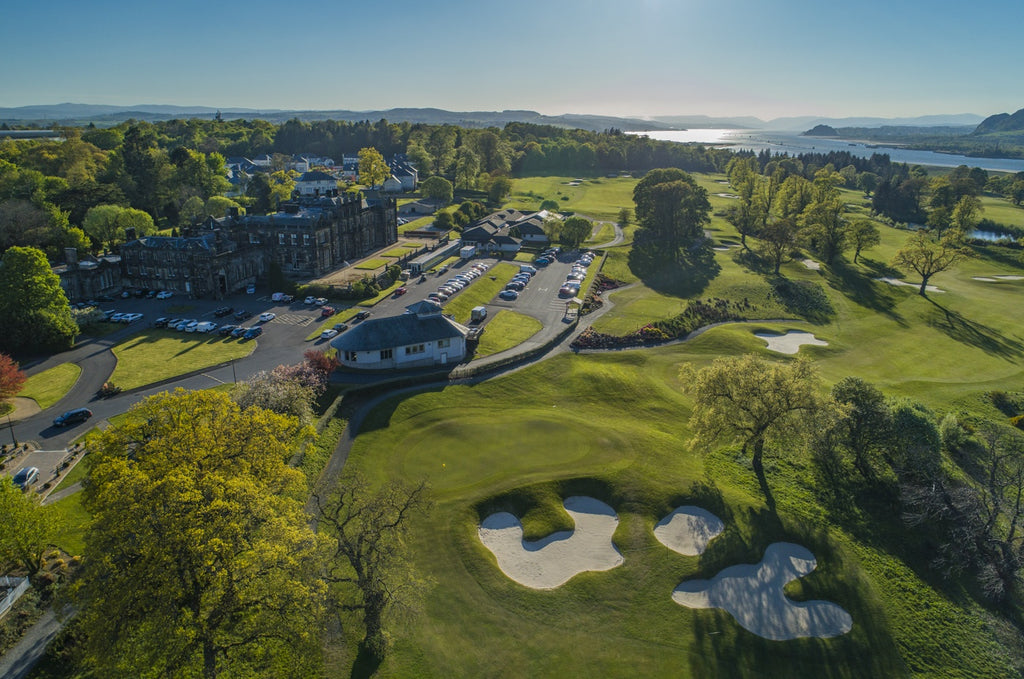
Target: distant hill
x,y
80,114
805,122
821,131
1002,122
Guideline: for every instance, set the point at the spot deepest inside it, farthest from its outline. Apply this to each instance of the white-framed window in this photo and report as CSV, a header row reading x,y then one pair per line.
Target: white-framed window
x,y
444,343
295,239
387,354
415,349
280,239
305,239
350,356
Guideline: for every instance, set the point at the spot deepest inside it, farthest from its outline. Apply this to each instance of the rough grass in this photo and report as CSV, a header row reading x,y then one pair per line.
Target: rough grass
x,y
155,355
506,330
50,386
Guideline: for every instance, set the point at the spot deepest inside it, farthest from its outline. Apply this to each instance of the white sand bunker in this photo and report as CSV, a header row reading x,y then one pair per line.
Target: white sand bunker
x,y
688,530
752,594
996,279
811,264
898,282
791,342
554,560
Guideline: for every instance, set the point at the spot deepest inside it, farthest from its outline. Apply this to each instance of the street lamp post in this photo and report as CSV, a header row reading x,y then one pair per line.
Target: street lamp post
x,y
10,427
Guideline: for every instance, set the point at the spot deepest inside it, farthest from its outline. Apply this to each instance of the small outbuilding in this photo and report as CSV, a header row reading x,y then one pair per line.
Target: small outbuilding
x,y
421,337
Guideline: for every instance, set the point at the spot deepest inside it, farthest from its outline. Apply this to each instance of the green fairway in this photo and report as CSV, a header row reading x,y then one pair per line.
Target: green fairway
x,y
50,386
156,355
506,330
613,426
597,197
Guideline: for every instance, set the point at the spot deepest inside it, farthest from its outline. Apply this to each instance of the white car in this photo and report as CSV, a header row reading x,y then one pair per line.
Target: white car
x,y
164,294
130,318
309,300
206,326
328,333
267,316
320,301
191,326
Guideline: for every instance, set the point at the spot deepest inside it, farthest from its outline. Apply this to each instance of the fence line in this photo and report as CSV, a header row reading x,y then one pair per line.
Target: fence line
x,y
18,586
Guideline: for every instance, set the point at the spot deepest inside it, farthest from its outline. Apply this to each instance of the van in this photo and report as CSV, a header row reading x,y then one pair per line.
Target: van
x,y
477,314
277,297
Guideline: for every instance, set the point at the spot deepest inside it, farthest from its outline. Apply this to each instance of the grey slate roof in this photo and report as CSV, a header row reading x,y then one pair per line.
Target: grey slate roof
x,y
204,242
397,331
315,176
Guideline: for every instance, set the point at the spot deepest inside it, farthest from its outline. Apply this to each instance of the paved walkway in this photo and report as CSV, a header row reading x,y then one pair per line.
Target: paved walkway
x,y
22,657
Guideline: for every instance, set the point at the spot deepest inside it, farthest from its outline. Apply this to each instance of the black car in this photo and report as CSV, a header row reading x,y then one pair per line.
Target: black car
x,y
239,331
242,314
222,311
225,330
362,315
160,322
72,417
253,332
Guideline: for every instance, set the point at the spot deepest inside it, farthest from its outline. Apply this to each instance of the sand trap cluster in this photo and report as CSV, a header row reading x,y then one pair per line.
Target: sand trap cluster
x,y
790,342
811,264
898,282
688,530
752,594
996,278
557,558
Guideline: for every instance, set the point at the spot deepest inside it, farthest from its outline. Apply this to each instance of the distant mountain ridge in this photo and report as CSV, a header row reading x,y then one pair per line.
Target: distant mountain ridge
x,y
75,114
1002,122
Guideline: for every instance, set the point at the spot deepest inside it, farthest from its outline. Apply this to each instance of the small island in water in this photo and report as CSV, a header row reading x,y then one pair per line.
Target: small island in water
x,y
821,131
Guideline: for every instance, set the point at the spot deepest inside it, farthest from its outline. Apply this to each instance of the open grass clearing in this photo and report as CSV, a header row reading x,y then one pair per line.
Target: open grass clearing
x,y
155,355
506,330
50,386
480,291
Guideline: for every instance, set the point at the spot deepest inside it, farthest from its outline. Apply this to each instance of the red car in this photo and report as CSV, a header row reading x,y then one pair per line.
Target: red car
x,y
326,311
401,291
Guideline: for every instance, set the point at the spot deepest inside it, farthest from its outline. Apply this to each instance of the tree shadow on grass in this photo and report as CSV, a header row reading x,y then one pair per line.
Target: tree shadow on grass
x,y
972,333
366,663
861,290
685,275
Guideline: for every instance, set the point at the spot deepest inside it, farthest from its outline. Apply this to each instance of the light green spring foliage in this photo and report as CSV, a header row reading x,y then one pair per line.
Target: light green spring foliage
x,y
199,560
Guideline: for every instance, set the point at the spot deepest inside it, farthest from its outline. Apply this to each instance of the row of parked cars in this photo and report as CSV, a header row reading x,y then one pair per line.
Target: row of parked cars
x,y
457,282
119,317
573,281
518,282
205,327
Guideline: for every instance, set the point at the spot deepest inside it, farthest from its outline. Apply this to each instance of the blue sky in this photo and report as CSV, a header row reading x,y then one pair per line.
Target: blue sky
x,y
644,57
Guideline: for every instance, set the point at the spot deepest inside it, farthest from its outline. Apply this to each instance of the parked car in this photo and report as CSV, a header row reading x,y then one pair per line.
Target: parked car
x,y
253,332
115,317
222,311
362,315
164,294
242,314
160,322
25,477
239,331
130,318
250,290
267,316
191,326
515,285
173,323
328,333
320,301
341,327
72,417
206,326
326,311
225,330
508,294
401,290
542,261
309,300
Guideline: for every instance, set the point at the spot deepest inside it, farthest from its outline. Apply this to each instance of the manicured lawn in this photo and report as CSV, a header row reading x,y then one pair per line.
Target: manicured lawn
x,y
506,330
374,263
50,386
481,291
77,473
602,234
156,355
71,521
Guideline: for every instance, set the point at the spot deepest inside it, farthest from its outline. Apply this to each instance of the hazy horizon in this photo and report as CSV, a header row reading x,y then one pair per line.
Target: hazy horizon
x,y
657,58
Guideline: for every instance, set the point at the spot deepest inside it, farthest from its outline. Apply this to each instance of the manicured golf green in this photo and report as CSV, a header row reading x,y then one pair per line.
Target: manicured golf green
x,y
596,197
156,355
50,386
